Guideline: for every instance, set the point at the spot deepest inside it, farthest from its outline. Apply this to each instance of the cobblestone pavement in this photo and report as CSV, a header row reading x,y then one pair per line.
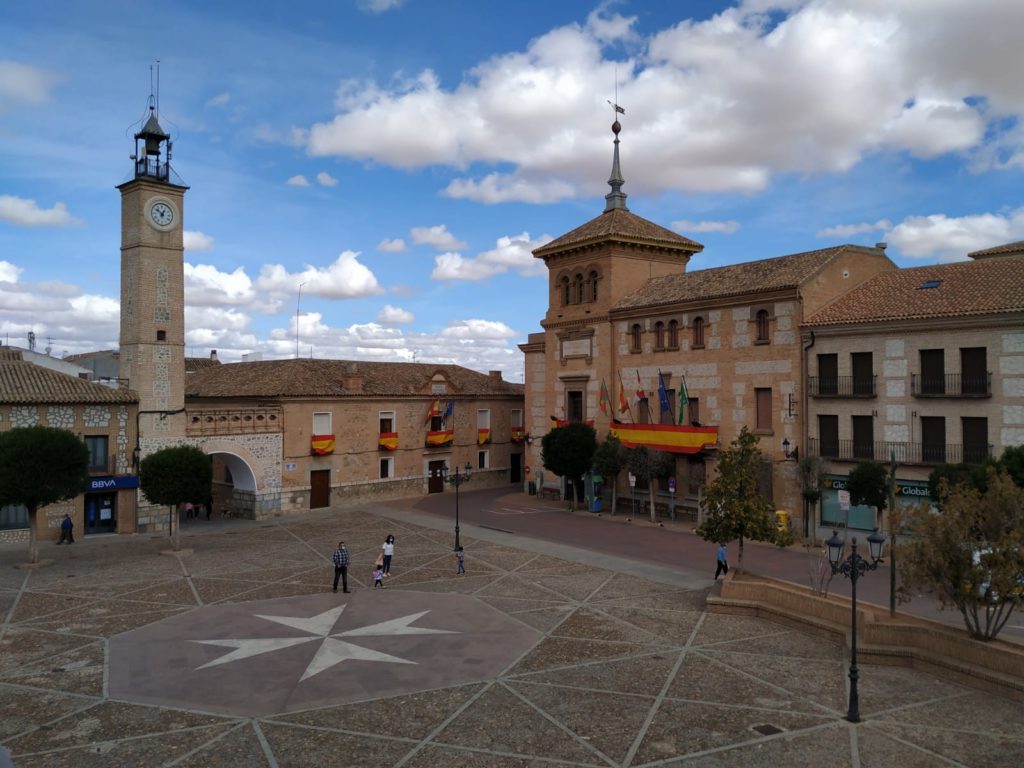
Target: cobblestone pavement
x,y
529,660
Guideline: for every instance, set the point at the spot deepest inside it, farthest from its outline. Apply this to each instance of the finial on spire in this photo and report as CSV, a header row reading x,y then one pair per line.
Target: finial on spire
x,y
616,199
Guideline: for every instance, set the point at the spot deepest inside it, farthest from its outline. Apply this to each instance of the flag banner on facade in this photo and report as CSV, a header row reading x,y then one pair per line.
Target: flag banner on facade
x,y
666,406
556,423
518,434
483,435
321,445
448,420
440,437
388,441
623,402
640,394
684,397
604,402
435,410
666,437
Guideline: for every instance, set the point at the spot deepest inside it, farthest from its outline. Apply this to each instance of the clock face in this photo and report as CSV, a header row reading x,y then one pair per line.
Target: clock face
x,y
162,214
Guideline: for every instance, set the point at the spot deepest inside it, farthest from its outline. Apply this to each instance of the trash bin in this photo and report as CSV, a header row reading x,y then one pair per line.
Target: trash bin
x,y
782,519
533,488
595,505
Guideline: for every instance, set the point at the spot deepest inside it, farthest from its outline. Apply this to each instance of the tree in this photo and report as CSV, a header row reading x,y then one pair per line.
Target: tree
x,y
648,466
568,451
973,475
1012,461
971,554
734,506
609,458
810,487
41,466
173,476
868,484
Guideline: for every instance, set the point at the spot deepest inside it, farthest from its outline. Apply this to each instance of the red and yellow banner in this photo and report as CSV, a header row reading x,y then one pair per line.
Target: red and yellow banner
x,y
518,434
556,423
483,435
666,437
388,441
321,445
441,437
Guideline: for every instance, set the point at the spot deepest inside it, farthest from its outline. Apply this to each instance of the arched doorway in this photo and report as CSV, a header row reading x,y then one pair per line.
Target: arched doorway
x,y
234,486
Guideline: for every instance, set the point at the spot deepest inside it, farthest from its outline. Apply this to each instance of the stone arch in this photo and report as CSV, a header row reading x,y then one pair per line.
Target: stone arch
x,y
254,490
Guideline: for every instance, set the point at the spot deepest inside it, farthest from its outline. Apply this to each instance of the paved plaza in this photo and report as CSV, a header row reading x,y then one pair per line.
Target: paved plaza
x,y
239,654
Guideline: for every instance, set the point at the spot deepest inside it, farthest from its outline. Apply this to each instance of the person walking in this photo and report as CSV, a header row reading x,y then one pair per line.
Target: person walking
x,y
67,530
723,563
340,559
378,576
460,558
389,550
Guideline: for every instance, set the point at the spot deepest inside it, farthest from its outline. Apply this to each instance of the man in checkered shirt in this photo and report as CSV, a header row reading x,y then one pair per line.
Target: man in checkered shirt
x,y
340,559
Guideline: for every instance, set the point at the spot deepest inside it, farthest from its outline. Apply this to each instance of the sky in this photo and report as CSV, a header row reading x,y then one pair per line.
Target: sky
x,y
400,159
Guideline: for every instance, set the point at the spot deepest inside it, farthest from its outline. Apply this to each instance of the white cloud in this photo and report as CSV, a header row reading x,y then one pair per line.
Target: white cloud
x,y
27,213
205,285
220,100
9,273
345,278
215,319
947,238
437,236
849,230
513,252
391,245
298,181
390,315
479,330
380,6
196,241
507,188
23,84
725,227
325,179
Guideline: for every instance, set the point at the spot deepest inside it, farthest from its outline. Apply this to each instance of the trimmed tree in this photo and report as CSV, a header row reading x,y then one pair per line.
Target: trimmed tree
x,y
734,506
569,451
609,459
971,554
41,466
648,466
173,476
868,484
973,475
1012,461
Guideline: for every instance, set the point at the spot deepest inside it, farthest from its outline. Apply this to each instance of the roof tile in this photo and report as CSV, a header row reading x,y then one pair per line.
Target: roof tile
x,y
618,224
22,382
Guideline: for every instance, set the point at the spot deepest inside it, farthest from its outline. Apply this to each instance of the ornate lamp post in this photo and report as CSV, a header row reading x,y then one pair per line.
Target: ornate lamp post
x,y
853,568
457,478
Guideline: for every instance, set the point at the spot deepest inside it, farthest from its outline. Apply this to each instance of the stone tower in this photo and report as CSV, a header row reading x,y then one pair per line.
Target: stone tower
x,y
152,356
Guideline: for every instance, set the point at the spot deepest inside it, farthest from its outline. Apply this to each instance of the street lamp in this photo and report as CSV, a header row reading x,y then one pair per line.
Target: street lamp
x,y
853,568
457,478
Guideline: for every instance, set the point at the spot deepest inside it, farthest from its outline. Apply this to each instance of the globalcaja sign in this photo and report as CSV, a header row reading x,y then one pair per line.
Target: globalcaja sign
x,y
908,492
111,483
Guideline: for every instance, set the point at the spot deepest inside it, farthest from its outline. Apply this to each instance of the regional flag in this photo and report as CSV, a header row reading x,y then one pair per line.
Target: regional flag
x,y
684,397
604,401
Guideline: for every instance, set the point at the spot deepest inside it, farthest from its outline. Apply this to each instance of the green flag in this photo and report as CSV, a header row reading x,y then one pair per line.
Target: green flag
x,y
683,397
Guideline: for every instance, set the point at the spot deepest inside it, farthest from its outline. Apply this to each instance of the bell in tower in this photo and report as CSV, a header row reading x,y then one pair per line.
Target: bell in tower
x,y
149,164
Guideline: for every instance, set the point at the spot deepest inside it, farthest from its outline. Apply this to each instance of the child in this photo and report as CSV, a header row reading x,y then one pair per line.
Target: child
x,y
460,558
378,576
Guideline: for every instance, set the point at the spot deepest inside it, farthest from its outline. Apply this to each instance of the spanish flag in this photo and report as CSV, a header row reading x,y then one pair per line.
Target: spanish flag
x,y
483,435
321,445
435,410
666,437
518,434
388,441
441,437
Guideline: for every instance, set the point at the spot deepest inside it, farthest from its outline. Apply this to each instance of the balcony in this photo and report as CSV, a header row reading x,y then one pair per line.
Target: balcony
x,y
842,386
951,385
906,453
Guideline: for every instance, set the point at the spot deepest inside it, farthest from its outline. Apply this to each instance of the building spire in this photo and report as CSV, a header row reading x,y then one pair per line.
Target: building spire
x,y
616,199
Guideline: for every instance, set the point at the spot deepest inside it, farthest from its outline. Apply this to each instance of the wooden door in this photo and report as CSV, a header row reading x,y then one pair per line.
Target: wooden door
x,y
319,488
435,481
517,471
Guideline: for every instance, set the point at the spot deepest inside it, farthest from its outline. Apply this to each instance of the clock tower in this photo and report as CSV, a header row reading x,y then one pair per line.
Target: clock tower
x,y
152,357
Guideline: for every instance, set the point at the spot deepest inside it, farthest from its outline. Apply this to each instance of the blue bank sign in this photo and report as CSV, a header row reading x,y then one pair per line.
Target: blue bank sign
x,y
110,483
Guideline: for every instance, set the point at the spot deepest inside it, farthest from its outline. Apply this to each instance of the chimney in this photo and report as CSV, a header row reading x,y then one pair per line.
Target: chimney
x,y
881,246
352,380
213,355
494,375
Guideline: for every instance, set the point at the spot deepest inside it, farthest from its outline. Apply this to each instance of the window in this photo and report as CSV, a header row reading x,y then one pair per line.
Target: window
x,y
673,334
933,372
973,371
578,289
566,295
863,373
863,437
975,439
693,411
387,421
98,452
659,335
763,398
13,516
161,335
643,411
483,459
436,423
828,374
574,405
761,322
593,286
516,418
387,467
635,338
322,423
483,419
933,439
698,333
828,436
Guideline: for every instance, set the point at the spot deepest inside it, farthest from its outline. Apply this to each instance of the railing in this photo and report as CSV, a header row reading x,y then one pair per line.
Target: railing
x,y
842,386
152,168
951,385
238,421
906,453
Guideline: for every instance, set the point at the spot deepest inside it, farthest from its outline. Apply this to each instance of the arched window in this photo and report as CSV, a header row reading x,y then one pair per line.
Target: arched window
x,y
698,332
673,334
578,285
635,338
593,286
762,326
659,335
565,291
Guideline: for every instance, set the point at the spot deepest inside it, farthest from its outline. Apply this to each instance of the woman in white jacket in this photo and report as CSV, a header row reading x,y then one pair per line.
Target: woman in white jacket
x,y
389,550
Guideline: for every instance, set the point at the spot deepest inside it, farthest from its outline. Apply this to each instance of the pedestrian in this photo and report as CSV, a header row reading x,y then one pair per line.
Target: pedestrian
x,y
340,559
378,576
208,506
460,558
67,530
723,563
389,550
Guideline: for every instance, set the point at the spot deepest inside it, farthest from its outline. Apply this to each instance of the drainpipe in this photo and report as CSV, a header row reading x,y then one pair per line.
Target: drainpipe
x,y
138,414
804,433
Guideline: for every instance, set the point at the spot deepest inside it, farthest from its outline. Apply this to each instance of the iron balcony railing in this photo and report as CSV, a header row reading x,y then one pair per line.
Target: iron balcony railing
x,y
951,385
906,453
842,386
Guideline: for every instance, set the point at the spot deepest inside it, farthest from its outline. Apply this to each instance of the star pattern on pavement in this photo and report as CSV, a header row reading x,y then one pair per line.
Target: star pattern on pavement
x,y
332,650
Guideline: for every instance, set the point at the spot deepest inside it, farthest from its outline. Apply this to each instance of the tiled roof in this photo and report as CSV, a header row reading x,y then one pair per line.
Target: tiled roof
x,y
195,363
6,353
22,382
733,280
326,378
961,289
113,354
999,250
619,224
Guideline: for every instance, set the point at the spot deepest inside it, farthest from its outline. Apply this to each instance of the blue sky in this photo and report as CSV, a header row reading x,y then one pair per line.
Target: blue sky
x,y
402,158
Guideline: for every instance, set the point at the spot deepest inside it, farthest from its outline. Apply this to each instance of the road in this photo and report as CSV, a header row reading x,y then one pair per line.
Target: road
x,y
674,546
